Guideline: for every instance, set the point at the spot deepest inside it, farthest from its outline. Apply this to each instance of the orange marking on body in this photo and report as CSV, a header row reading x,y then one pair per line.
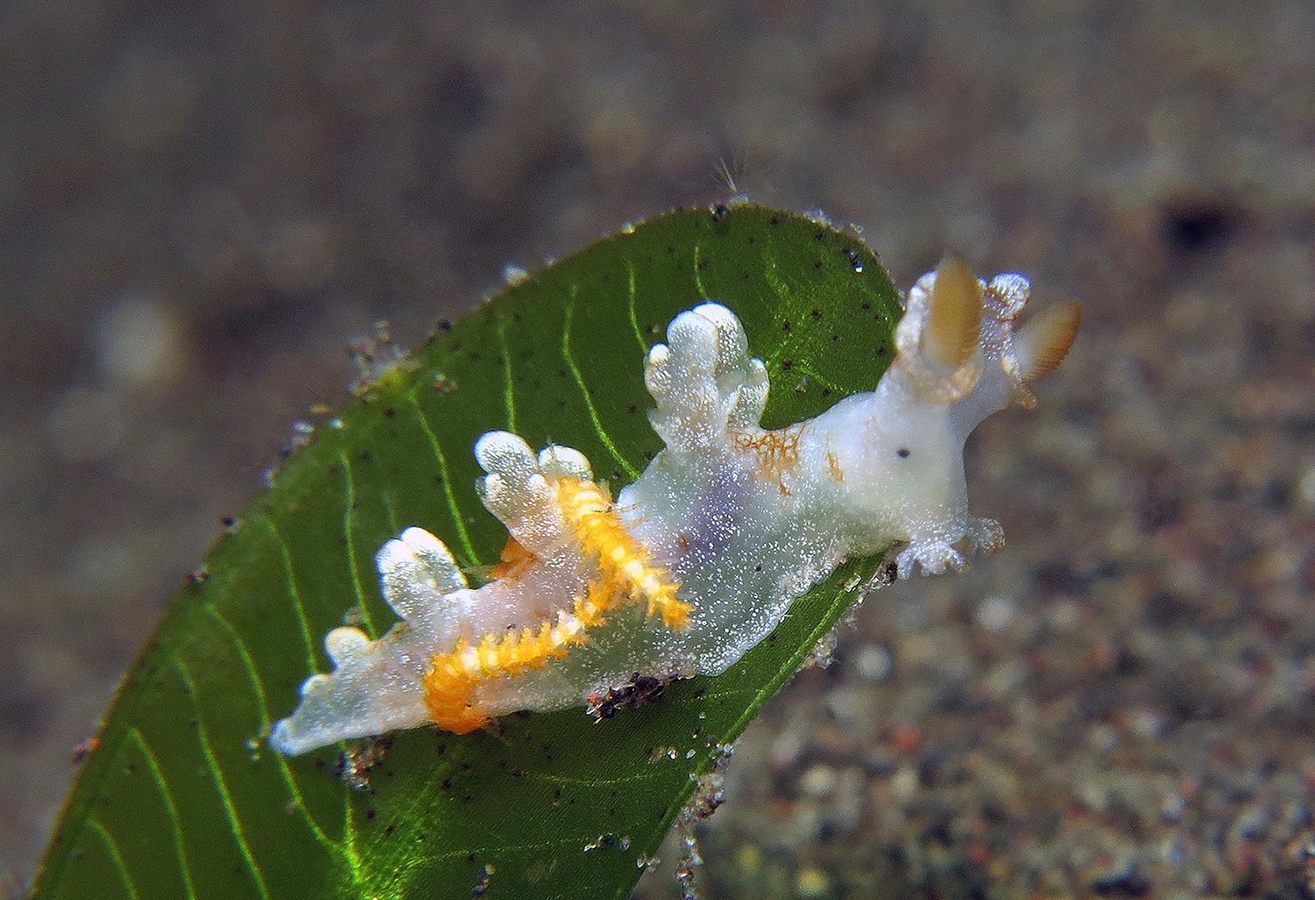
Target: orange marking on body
x,y
833,467
449,689
624,564
776,452
625,573
513,561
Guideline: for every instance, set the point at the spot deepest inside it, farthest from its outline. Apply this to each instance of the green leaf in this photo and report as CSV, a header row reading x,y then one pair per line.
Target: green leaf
x,y
184,799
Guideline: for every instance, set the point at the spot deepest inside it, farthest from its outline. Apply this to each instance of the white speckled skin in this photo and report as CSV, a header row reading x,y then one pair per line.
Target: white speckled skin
x,y
745,520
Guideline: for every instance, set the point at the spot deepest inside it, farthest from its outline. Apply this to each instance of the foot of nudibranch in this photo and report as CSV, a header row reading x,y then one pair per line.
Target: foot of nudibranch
x,y
984,536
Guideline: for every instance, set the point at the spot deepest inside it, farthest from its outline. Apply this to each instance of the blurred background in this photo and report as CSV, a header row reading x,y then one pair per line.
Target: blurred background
x,y
203,205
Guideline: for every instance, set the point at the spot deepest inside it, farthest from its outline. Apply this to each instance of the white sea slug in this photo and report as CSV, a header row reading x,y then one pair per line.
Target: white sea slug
x,y
698,560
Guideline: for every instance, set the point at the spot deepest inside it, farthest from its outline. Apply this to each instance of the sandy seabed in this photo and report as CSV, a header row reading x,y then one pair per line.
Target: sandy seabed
x,y
201,207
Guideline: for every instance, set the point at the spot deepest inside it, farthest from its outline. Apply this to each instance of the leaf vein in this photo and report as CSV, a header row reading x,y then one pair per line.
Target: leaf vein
x,y
297,604
584,392
698,275
217,775
508,395
115,855
258,689
630,307
349,504
167,795
472,558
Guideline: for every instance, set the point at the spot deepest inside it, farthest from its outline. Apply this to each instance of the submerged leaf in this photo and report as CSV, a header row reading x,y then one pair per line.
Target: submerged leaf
x,y
183,798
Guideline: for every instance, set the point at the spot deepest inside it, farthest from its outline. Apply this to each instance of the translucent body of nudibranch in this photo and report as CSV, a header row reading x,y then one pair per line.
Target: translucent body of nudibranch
x,y
700,558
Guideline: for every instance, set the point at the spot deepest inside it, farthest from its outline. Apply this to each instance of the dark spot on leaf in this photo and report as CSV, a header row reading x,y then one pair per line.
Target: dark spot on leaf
x,y
826,392
819,235
719,212
703,264
817,264
787,364
370,814
390,412
774,221
632,409
364,456
752,240
670,249
815,313
786,327
476,356
698,695
466,767
445,325
388,831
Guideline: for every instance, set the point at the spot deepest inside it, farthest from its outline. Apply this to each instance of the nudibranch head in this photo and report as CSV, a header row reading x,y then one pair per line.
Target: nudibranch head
x,y
958,359
957,344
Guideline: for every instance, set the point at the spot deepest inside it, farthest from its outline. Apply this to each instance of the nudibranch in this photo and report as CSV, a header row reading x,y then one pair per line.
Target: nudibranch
x,y
701,557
